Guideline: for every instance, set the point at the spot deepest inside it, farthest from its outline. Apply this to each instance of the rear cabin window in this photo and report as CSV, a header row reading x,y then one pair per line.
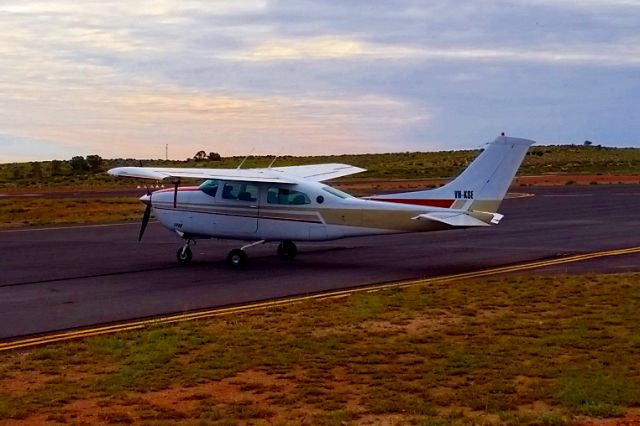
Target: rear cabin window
x,y
240,191
287,197
210,187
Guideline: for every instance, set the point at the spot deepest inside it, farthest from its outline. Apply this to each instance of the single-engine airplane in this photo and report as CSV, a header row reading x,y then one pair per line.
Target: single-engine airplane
x,y
287,204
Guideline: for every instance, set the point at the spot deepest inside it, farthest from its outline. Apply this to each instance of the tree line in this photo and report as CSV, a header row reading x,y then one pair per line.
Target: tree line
x,y
82,166
36,170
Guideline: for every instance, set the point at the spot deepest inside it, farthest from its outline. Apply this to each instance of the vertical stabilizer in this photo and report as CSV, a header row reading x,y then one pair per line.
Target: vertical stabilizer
x,y
481,186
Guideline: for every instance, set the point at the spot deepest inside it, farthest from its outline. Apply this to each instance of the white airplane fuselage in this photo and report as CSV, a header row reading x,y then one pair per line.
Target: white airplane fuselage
x,y
317,212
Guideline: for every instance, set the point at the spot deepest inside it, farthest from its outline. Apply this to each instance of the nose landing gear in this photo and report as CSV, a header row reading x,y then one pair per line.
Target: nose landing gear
x,y
184,253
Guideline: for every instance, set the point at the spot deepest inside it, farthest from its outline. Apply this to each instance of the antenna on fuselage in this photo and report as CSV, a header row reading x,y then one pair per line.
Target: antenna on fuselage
x,y
245,159
275,158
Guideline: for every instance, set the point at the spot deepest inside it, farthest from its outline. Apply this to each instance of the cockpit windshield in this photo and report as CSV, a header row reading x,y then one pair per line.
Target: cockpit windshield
x,y
336,192
210,187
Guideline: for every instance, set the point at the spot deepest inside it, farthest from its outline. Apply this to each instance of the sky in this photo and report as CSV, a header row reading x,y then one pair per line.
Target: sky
x,y
307,77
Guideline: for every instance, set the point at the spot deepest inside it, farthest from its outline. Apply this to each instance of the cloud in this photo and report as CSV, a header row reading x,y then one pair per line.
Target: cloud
x,y
140,121
336,49
123,79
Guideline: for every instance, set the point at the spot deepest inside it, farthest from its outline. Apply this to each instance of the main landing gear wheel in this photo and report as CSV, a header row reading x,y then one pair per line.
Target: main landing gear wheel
x,y
287,250
184,255
237,259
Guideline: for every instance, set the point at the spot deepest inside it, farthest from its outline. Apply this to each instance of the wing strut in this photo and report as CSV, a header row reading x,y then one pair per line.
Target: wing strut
x,y
175,192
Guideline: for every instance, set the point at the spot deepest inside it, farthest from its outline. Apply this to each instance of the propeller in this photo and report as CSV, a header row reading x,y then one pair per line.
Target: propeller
x,y
146,199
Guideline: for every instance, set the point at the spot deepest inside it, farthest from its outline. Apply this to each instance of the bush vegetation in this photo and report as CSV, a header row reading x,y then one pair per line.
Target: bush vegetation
x,y
89,171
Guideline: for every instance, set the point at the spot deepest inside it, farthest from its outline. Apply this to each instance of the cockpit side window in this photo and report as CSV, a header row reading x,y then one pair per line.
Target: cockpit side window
x,y
287,196
210,187
240,191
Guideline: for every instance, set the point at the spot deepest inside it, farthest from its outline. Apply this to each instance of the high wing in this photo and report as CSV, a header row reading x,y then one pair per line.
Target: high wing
x,y
161,173
290,175
319,172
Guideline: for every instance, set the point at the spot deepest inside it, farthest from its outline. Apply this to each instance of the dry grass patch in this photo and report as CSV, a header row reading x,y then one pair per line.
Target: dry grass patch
x,y
545,350
17,212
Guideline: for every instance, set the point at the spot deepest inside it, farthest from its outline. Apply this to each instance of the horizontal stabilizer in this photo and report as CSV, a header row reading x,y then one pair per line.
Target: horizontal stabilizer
x,y
454,218
495,217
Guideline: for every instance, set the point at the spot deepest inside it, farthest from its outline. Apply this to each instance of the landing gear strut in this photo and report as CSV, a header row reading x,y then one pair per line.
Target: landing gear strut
x,y
184,253
238,258
287,250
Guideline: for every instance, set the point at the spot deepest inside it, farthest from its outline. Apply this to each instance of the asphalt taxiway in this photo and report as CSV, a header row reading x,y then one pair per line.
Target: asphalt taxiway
x,y
65,277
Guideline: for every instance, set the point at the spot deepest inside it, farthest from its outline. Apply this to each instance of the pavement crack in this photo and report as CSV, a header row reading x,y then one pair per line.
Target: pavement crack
x,y
82,277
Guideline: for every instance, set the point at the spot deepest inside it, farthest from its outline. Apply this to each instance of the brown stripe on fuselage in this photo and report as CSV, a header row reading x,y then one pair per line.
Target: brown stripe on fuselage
x,y
428,203
396,220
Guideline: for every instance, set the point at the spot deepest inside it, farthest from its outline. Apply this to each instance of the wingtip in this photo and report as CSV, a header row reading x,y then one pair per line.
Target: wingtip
x,y
512,140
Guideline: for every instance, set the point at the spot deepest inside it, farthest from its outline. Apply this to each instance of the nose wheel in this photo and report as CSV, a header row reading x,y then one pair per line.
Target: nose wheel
x,y
184,255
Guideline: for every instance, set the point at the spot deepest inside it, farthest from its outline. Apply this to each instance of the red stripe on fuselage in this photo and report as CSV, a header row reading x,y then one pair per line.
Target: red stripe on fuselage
x,y
431,203
183,189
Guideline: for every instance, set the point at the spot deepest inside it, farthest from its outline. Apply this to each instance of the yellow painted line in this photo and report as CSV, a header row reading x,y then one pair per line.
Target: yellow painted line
x,y
135,325
59,228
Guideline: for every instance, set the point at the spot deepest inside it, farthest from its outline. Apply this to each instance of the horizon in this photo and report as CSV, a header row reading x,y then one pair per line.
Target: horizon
x,y
313,77
260,156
